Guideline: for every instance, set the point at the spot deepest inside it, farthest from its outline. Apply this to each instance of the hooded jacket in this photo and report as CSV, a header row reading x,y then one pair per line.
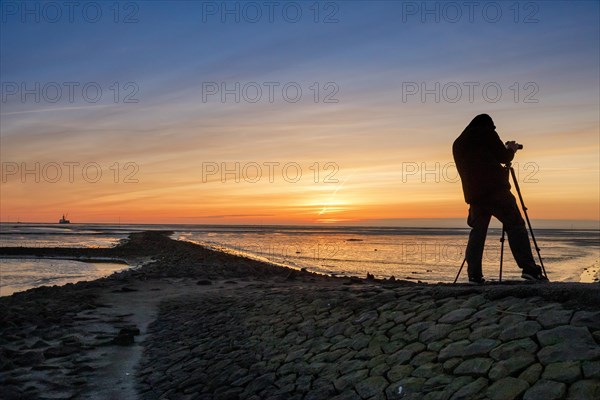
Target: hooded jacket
x,y
478,153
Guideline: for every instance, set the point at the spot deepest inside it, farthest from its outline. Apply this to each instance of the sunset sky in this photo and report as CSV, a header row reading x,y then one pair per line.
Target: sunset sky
x,y
360,133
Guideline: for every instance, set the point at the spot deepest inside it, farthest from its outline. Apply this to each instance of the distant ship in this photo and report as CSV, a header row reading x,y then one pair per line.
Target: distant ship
x,y
63,220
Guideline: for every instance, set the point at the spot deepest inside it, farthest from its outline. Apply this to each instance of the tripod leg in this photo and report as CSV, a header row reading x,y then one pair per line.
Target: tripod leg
x,y
512,172
460,270
501,253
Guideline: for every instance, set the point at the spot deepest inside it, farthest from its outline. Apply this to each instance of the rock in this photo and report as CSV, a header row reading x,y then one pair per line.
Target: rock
x,y
367,317
509,349
397,372
480,347
227,393
401,357
584,390
553,307
520,330
321,389
591,369
438,381
348,366
242,381
554,318
469,391
435,332
375,361
487,331
130,330
508,388
349,379
360,342
60,351
336,329
415,347
423,358
347,395
511,366
354,281
561,334
428,370
291,275
460,334
379,370
418,327
512,319
11,392
474,301
392,346
260,383
395,391
123,339
590,319
28,358
371,386
375,343
532,373
40,344
567,372
486,313
412,385
204,282
303,383
474,367
456,384
547,390
457,315
295,354
453,350
452,363
568,351
81,369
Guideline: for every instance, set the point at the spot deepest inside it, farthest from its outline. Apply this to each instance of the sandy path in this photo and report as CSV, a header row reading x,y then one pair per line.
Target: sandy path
x,y
114,373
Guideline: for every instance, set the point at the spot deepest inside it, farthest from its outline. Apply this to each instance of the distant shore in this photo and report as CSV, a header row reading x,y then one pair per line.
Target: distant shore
x,y
192,322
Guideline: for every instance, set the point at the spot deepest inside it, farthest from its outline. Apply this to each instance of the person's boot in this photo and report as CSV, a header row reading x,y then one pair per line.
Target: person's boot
x,y
476,280
534,274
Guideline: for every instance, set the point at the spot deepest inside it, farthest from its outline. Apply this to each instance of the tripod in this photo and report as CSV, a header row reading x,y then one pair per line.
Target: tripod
x,y
514,178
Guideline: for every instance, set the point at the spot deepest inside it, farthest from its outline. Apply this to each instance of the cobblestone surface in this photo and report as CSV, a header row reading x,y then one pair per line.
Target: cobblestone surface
x,y
368,342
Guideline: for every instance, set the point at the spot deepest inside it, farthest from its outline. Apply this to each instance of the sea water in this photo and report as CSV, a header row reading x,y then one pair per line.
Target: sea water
x,y
417,254
22,273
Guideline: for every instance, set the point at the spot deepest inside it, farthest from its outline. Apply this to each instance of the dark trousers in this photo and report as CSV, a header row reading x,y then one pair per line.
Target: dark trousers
x,y
504,207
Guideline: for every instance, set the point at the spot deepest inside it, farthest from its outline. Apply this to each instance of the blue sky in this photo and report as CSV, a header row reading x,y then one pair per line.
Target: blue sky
x,y
368,54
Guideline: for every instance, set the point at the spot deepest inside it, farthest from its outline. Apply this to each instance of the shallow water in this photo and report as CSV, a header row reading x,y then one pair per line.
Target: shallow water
x,y
418,254
21,274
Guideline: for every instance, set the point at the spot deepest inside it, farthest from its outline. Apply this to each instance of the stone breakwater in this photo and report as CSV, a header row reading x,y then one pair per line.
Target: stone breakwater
x,y
193,323
369,342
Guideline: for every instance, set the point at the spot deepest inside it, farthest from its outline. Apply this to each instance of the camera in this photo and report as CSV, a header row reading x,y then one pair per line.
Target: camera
x,y
519,146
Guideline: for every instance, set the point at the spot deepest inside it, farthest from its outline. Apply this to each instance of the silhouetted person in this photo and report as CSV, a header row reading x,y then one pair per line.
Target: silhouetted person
x,y
479,154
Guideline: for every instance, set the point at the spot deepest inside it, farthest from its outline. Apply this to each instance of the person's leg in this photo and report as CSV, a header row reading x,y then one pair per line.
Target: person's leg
x,y
506,210
478,220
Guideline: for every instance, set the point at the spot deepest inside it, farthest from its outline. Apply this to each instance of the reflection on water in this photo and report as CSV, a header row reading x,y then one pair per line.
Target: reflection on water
x,y
26,235
418,254
22,274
